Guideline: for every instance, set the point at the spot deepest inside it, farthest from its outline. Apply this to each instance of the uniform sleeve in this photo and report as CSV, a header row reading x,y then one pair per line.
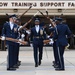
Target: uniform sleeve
x,y
4,30
55,35
31,35
68,31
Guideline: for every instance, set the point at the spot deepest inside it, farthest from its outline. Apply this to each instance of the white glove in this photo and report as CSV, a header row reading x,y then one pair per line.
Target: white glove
x,y
51,41
31,45
20,40
68,44
3,38
22,35
19,28
48,36
28,32
66,47
50,25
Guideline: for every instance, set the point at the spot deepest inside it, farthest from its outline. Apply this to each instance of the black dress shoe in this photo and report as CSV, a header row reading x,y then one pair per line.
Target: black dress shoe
x,y
36,65
53,62
19,63
59,69
40,62
15,66
11,69
56,66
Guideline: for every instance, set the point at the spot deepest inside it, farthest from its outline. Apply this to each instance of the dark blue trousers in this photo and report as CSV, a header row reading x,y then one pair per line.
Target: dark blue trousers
x,y
11,55
61,58
55,51
16,53
38,51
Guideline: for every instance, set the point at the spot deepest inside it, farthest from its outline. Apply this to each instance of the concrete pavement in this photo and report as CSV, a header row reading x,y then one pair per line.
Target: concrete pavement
x,y
46,68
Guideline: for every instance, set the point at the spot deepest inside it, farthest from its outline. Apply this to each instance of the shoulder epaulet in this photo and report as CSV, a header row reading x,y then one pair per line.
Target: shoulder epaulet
x,y
6,22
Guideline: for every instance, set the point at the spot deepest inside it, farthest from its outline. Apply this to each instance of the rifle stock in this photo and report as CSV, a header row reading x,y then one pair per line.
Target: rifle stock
x,y
25,24
47,18
15,40
46,41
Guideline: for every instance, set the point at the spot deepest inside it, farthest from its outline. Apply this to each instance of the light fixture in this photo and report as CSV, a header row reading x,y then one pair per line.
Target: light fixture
x,y
15,10
59,10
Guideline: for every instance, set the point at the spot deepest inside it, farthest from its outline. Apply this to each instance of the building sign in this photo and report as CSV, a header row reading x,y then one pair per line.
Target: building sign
x,y
37,4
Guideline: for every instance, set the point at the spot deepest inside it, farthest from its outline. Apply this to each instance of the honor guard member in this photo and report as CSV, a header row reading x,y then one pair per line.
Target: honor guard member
x,y
54,44
10,30
37,36
22,35
16,52
18,44
55,48
60,34
18,63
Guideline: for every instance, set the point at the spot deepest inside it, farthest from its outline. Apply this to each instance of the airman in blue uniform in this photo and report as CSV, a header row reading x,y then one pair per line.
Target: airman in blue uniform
x,y
37,35
55,49
61,31
10,30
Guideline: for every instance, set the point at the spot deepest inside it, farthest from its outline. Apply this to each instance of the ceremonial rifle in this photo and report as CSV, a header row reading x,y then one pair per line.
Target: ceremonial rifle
x,y
25,12
51,21
28,22
14,40
47,12
41,13
20,16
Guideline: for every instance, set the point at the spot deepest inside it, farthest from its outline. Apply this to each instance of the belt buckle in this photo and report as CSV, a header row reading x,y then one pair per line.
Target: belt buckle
x,y
37,37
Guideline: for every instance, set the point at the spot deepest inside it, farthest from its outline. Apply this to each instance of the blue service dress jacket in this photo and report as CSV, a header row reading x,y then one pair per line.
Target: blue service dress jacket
x,y
61,34
7,32
34,35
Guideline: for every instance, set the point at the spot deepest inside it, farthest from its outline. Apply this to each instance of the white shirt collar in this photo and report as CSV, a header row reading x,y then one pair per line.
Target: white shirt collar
x,y
36,25
10,22
37,28
11,25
